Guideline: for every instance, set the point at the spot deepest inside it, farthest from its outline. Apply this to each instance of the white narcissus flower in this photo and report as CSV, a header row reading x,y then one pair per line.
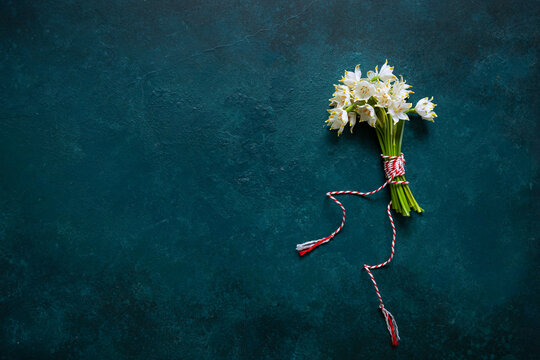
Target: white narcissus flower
x,y
424,108
351,78
397,110
338,119
363,90
399,90
382,94
384,74
367,114
342,96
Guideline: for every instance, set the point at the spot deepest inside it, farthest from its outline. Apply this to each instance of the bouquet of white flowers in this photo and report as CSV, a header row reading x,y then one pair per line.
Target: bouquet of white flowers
x,y
380,99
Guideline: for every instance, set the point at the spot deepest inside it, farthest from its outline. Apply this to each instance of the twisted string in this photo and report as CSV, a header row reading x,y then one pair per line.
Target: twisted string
x,y
393,166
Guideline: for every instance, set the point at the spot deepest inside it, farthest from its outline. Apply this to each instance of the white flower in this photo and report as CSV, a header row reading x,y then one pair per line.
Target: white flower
x,y
342,96
351,78
338,119
367,113
382,94
363,90
384,74
424,108
399,90
397,110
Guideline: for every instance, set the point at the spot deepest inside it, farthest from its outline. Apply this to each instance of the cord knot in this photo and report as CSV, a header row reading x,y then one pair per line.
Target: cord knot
x,y
394,166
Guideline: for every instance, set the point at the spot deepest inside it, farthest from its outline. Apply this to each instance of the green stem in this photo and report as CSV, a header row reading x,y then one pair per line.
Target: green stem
x,y
390,137
399,135
396,151
354,105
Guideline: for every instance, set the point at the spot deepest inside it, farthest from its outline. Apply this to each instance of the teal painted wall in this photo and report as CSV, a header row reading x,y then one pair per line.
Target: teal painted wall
x,y
160,160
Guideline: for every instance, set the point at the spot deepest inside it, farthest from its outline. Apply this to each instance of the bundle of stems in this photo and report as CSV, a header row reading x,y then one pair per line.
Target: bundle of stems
x,y
390,135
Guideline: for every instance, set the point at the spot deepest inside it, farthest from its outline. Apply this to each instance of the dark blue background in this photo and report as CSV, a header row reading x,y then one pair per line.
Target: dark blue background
x,y
160,160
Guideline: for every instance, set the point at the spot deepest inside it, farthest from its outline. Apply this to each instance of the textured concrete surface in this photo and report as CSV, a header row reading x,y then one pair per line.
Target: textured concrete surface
x,y
160,160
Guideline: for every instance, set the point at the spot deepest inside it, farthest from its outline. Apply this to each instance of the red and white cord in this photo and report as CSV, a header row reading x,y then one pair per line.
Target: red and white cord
x,y
393,166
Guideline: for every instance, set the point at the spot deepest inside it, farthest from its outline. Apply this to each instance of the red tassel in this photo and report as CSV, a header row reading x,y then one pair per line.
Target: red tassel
x,y
391,325
304,252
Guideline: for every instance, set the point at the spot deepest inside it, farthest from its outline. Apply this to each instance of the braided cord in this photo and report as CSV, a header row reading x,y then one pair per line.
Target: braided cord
x,y
393,166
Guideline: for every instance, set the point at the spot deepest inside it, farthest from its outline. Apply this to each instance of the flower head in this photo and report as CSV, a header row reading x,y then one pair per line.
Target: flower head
x,y
363,90
382,94
424,108
367,114
384,74
351,78
399,90
342,96
338,119
397,110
